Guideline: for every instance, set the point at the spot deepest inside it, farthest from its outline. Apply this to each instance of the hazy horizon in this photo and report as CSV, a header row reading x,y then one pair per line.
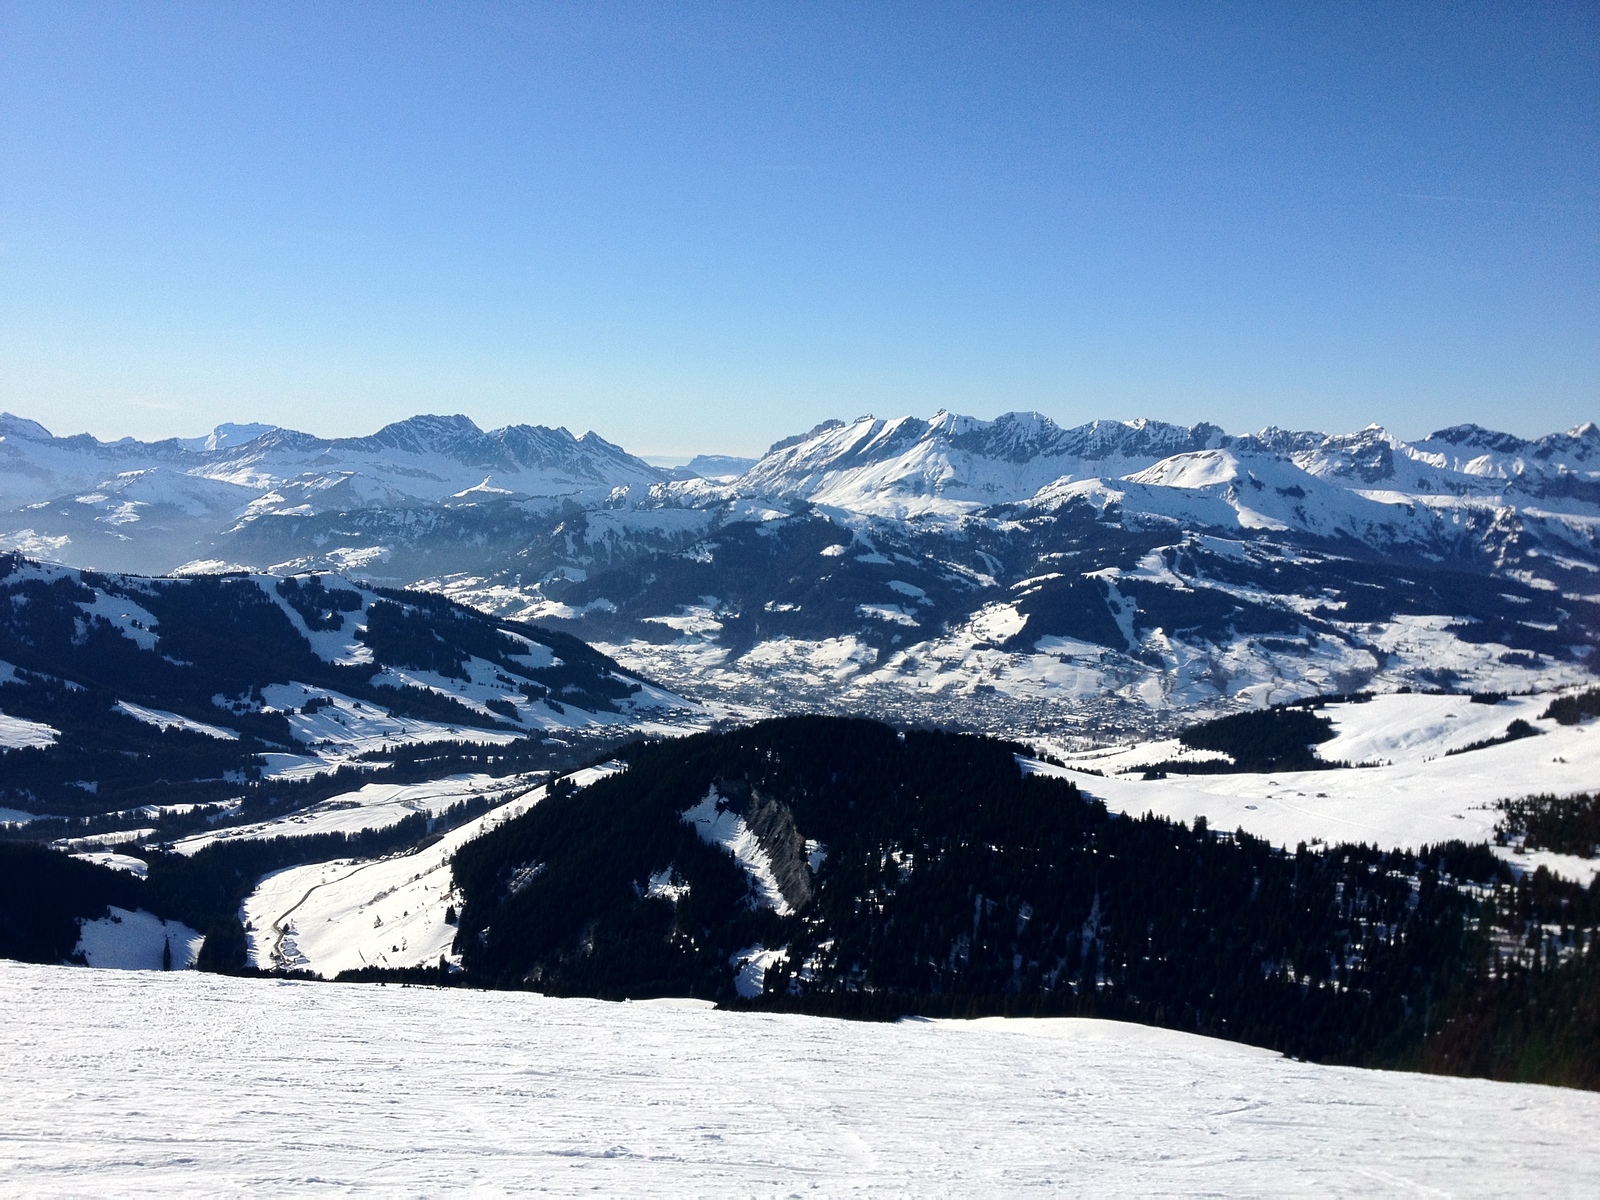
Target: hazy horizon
x,y
683,457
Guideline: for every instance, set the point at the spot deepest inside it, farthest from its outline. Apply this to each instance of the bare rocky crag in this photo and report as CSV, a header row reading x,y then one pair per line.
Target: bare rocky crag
x,y
772,822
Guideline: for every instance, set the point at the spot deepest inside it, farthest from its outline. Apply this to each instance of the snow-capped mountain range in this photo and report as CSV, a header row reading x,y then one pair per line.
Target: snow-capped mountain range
x,y
948,569
424,458
949,464
181,492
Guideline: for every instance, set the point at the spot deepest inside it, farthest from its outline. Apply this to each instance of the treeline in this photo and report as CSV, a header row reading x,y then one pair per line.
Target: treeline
x,y
1282,737
1516,731
927,872
105,758
1569,710
1533,1024
429,760
432,633
1279,738
44,894
1563,824
205,889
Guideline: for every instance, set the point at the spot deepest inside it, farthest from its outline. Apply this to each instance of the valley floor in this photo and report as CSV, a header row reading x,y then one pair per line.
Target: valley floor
x,y
133,1082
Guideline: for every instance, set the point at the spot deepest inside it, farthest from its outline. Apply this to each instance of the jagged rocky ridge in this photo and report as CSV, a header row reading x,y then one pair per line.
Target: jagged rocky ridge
x,y
1005,574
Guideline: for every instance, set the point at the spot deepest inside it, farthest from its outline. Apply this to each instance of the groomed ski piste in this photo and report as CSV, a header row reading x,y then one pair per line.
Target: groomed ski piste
x,y
149,1082
1415,780
388,912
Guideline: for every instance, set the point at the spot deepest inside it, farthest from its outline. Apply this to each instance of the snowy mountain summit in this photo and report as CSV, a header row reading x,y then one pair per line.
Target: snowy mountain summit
x,y
948,463
428,458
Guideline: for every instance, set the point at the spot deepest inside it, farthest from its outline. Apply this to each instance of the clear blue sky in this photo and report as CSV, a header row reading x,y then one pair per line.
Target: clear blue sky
x,y
703,226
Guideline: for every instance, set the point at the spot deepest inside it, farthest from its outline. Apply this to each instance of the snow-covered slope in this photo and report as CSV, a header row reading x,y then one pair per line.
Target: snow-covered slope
x,y
428,458
137,941
1014,571
717,824
391,912
1266,493
951,464
1415,783
144,1083
371,806
134,696
1474,450
16,733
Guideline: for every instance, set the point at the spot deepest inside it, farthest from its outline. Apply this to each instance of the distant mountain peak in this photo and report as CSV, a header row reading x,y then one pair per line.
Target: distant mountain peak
x,y
428,432
1477,437
796,438
230,434
719,466
950,462
12,425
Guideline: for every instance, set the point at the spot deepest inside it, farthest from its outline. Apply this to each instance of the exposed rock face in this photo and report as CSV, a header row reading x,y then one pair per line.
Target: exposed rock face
x,y
773,824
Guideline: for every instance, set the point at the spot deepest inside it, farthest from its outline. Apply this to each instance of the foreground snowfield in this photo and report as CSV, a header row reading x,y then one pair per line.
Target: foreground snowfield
x,y
132,1082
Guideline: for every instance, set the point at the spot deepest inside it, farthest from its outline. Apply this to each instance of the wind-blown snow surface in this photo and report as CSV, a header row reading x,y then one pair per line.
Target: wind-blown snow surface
x,y
151,1083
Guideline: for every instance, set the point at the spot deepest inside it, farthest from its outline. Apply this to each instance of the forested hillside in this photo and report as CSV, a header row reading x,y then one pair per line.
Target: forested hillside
x,y
837,866
119,692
